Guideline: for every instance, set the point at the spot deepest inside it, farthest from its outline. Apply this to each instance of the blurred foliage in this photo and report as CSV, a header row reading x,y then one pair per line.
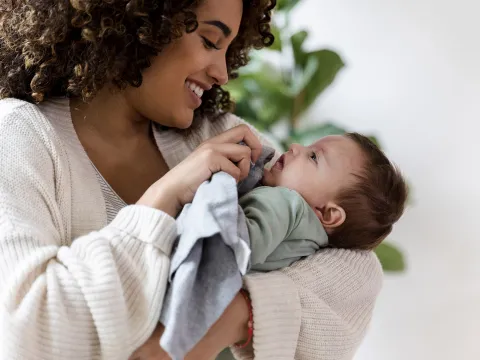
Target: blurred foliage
x,y
390,257
268,93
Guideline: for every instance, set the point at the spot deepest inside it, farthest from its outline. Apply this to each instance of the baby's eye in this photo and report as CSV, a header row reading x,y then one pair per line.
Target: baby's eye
x,y
313,156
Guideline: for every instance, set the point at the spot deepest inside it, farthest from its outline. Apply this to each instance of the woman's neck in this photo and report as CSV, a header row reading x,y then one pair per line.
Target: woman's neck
x,y
109,116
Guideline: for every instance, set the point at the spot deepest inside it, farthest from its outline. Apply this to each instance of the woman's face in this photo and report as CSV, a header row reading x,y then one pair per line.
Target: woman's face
x,y
173,85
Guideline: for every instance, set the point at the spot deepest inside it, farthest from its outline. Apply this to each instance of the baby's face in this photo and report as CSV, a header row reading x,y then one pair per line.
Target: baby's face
x,y
317,171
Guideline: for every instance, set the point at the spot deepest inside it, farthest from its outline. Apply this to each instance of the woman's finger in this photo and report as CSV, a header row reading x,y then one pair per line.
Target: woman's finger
x,y
238,154
253,143
238,134
224,164
244,165
234,152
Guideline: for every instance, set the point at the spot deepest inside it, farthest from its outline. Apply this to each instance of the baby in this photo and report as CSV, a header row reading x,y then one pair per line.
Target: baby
x,y
341,192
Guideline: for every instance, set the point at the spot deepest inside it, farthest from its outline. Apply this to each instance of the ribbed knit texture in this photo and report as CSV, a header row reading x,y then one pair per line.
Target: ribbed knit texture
x,y
73,287
113,202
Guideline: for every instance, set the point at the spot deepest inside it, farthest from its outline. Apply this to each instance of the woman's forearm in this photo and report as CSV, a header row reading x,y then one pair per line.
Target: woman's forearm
x,y
232,327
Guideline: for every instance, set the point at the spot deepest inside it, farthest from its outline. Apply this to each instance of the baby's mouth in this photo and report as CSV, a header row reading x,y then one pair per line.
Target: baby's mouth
x,y
280,163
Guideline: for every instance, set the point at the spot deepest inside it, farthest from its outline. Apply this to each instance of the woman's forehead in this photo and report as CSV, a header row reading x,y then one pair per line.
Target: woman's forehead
x,y
228,12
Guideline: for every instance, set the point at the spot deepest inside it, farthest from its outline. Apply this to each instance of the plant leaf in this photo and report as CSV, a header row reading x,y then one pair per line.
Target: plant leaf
x,y
299,54
267,95
277,44
286,5
302,77
237,90
329,64
244,110
390,257
263,75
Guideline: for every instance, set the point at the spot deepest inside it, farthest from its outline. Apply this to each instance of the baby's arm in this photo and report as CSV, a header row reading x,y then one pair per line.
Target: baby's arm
x,y
273,214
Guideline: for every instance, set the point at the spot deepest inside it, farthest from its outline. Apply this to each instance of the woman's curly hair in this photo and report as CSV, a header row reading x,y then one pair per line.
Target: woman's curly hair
x,y
75,47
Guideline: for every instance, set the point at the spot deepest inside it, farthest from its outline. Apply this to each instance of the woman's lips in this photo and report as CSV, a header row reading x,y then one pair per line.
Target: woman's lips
x,y
194,98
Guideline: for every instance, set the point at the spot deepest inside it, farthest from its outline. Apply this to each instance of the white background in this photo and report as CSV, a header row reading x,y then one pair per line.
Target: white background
x,y
413,79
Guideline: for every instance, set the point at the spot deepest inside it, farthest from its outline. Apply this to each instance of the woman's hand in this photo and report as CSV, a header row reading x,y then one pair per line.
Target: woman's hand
x,y
231,328
220,153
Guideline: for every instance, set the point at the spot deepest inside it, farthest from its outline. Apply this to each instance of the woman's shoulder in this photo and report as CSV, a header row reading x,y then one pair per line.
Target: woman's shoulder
x,y
23,116
27,132
23,122
11,108
48,119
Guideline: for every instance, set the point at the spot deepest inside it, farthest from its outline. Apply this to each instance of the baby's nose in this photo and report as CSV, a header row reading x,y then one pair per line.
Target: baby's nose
x,y
295,148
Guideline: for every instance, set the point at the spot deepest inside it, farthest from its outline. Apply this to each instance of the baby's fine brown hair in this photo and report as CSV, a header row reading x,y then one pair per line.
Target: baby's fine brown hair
x,y
373,203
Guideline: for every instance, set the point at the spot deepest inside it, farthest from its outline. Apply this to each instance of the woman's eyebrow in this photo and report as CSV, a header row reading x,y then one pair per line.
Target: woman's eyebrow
x,y
222,26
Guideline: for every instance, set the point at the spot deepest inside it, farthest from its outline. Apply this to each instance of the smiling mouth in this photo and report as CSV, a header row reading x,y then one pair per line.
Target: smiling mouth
x,y
280,163
197,90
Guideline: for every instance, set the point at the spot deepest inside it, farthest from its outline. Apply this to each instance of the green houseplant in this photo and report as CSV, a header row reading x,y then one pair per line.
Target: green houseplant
x,y
268,93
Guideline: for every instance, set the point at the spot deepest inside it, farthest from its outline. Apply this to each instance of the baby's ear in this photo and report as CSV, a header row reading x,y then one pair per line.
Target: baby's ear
x,y
331,215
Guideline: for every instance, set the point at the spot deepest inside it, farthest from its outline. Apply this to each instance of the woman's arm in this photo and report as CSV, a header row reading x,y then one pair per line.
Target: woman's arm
x,y
318,308
229,329
97,296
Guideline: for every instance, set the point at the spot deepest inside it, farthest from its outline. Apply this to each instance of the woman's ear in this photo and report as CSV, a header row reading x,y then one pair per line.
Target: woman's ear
x,y
331,215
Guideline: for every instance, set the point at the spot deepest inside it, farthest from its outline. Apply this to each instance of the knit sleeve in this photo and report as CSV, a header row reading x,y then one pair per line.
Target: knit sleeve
x,y
318,308
94,297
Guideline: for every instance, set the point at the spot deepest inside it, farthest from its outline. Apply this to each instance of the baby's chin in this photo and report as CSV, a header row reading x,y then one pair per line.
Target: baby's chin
x,y
268,178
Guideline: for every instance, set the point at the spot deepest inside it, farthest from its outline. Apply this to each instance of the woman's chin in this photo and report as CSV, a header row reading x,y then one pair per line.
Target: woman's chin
x,y
186,120
184,125
181,122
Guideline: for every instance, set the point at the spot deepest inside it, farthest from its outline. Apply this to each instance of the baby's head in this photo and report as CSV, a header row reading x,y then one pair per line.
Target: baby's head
x,y
356,192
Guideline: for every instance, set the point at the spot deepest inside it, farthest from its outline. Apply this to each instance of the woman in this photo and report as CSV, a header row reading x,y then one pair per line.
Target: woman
x,y
93,170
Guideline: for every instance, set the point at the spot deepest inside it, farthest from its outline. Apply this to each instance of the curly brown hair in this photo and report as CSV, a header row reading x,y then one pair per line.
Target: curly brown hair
x,y
75,47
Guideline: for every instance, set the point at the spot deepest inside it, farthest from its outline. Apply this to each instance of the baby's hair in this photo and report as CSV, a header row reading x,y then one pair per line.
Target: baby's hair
x,y
373,203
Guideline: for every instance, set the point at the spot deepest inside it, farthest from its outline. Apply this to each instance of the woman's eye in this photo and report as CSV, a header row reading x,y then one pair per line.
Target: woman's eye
x,y
208,44
313,156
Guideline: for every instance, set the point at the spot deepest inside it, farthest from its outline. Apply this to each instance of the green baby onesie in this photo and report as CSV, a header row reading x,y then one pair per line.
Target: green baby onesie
x,y
282,227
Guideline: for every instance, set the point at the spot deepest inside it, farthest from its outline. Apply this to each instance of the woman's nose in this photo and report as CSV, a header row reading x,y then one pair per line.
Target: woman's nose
x,y
218,72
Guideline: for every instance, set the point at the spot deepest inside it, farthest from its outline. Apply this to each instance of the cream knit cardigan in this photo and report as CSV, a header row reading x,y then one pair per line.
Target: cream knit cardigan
x,y
74,287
